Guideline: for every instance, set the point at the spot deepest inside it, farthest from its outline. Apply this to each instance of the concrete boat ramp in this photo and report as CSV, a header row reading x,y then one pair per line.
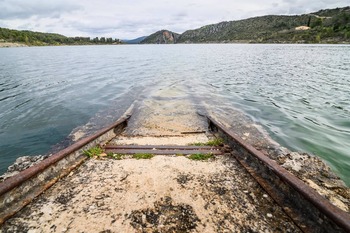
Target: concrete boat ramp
x,y
167,193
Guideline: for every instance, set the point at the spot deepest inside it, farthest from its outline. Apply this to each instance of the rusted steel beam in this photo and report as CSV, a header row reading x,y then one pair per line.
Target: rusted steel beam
x,y
19,190
193,132
308,209
161,147
162,152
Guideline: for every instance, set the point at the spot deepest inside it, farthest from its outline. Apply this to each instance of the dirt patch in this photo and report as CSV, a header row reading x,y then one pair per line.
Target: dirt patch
x,y
183,179
165,217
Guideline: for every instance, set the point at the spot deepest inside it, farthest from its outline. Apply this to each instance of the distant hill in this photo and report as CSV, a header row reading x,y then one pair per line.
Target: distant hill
x,y
161,37
134,41
324,26
258,29
42,39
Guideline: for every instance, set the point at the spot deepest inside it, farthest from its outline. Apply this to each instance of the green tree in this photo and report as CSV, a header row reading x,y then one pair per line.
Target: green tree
x,y
26,40
317,23
318,38
96,40
341,21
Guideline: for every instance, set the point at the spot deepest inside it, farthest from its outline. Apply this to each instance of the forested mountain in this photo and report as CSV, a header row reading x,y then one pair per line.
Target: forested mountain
x,y
324,26
39,38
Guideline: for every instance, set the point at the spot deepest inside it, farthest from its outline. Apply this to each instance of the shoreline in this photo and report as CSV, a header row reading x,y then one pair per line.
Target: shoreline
x,y
12,45
19,45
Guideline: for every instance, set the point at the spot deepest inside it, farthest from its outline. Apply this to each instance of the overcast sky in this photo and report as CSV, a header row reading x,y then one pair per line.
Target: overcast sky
x,y
129,19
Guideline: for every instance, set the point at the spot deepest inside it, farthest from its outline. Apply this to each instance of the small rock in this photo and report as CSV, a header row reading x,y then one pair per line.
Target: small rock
x,y
269,215
143,219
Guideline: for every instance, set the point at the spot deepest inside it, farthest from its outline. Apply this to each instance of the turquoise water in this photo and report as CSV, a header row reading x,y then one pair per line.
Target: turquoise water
x,y
299,93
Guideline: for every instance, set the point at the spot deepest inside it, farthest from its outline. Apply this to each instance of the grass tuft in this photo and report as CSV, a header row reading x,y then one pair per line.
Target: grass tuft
x,y
197,144
214,142
93,152
142,156
115,156
135,156
201,156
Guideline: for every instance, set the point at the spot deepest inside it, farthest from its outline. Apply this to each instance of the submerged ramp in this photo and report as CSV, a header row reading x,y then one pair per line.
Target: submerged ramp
x,y
172,191
165,193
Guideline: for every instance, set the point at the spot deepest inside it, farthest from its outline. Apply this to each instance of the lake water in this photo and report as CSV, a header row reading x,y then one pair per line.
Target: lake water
x,y
299,93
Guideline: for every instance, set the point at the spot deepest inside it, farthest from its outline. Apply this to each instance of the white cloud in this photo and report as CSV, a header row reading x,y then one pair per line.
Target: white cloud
x,y
17,9
133,18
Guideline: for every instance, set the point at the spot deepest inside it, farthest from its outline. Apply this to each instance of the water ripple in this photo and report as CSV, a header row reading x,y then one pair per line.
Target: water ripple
x,y
299,93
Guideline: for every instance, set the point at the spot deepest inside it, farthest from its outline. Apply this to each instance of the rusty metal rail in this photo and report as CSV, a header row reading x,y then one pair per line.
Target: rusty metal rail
x,y
308,209
21,189
161,150
160,147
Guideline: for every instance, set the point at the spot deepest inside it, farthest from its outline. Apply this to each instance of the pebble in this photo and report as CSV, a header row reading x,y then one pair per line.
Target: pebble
x,y
269,215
